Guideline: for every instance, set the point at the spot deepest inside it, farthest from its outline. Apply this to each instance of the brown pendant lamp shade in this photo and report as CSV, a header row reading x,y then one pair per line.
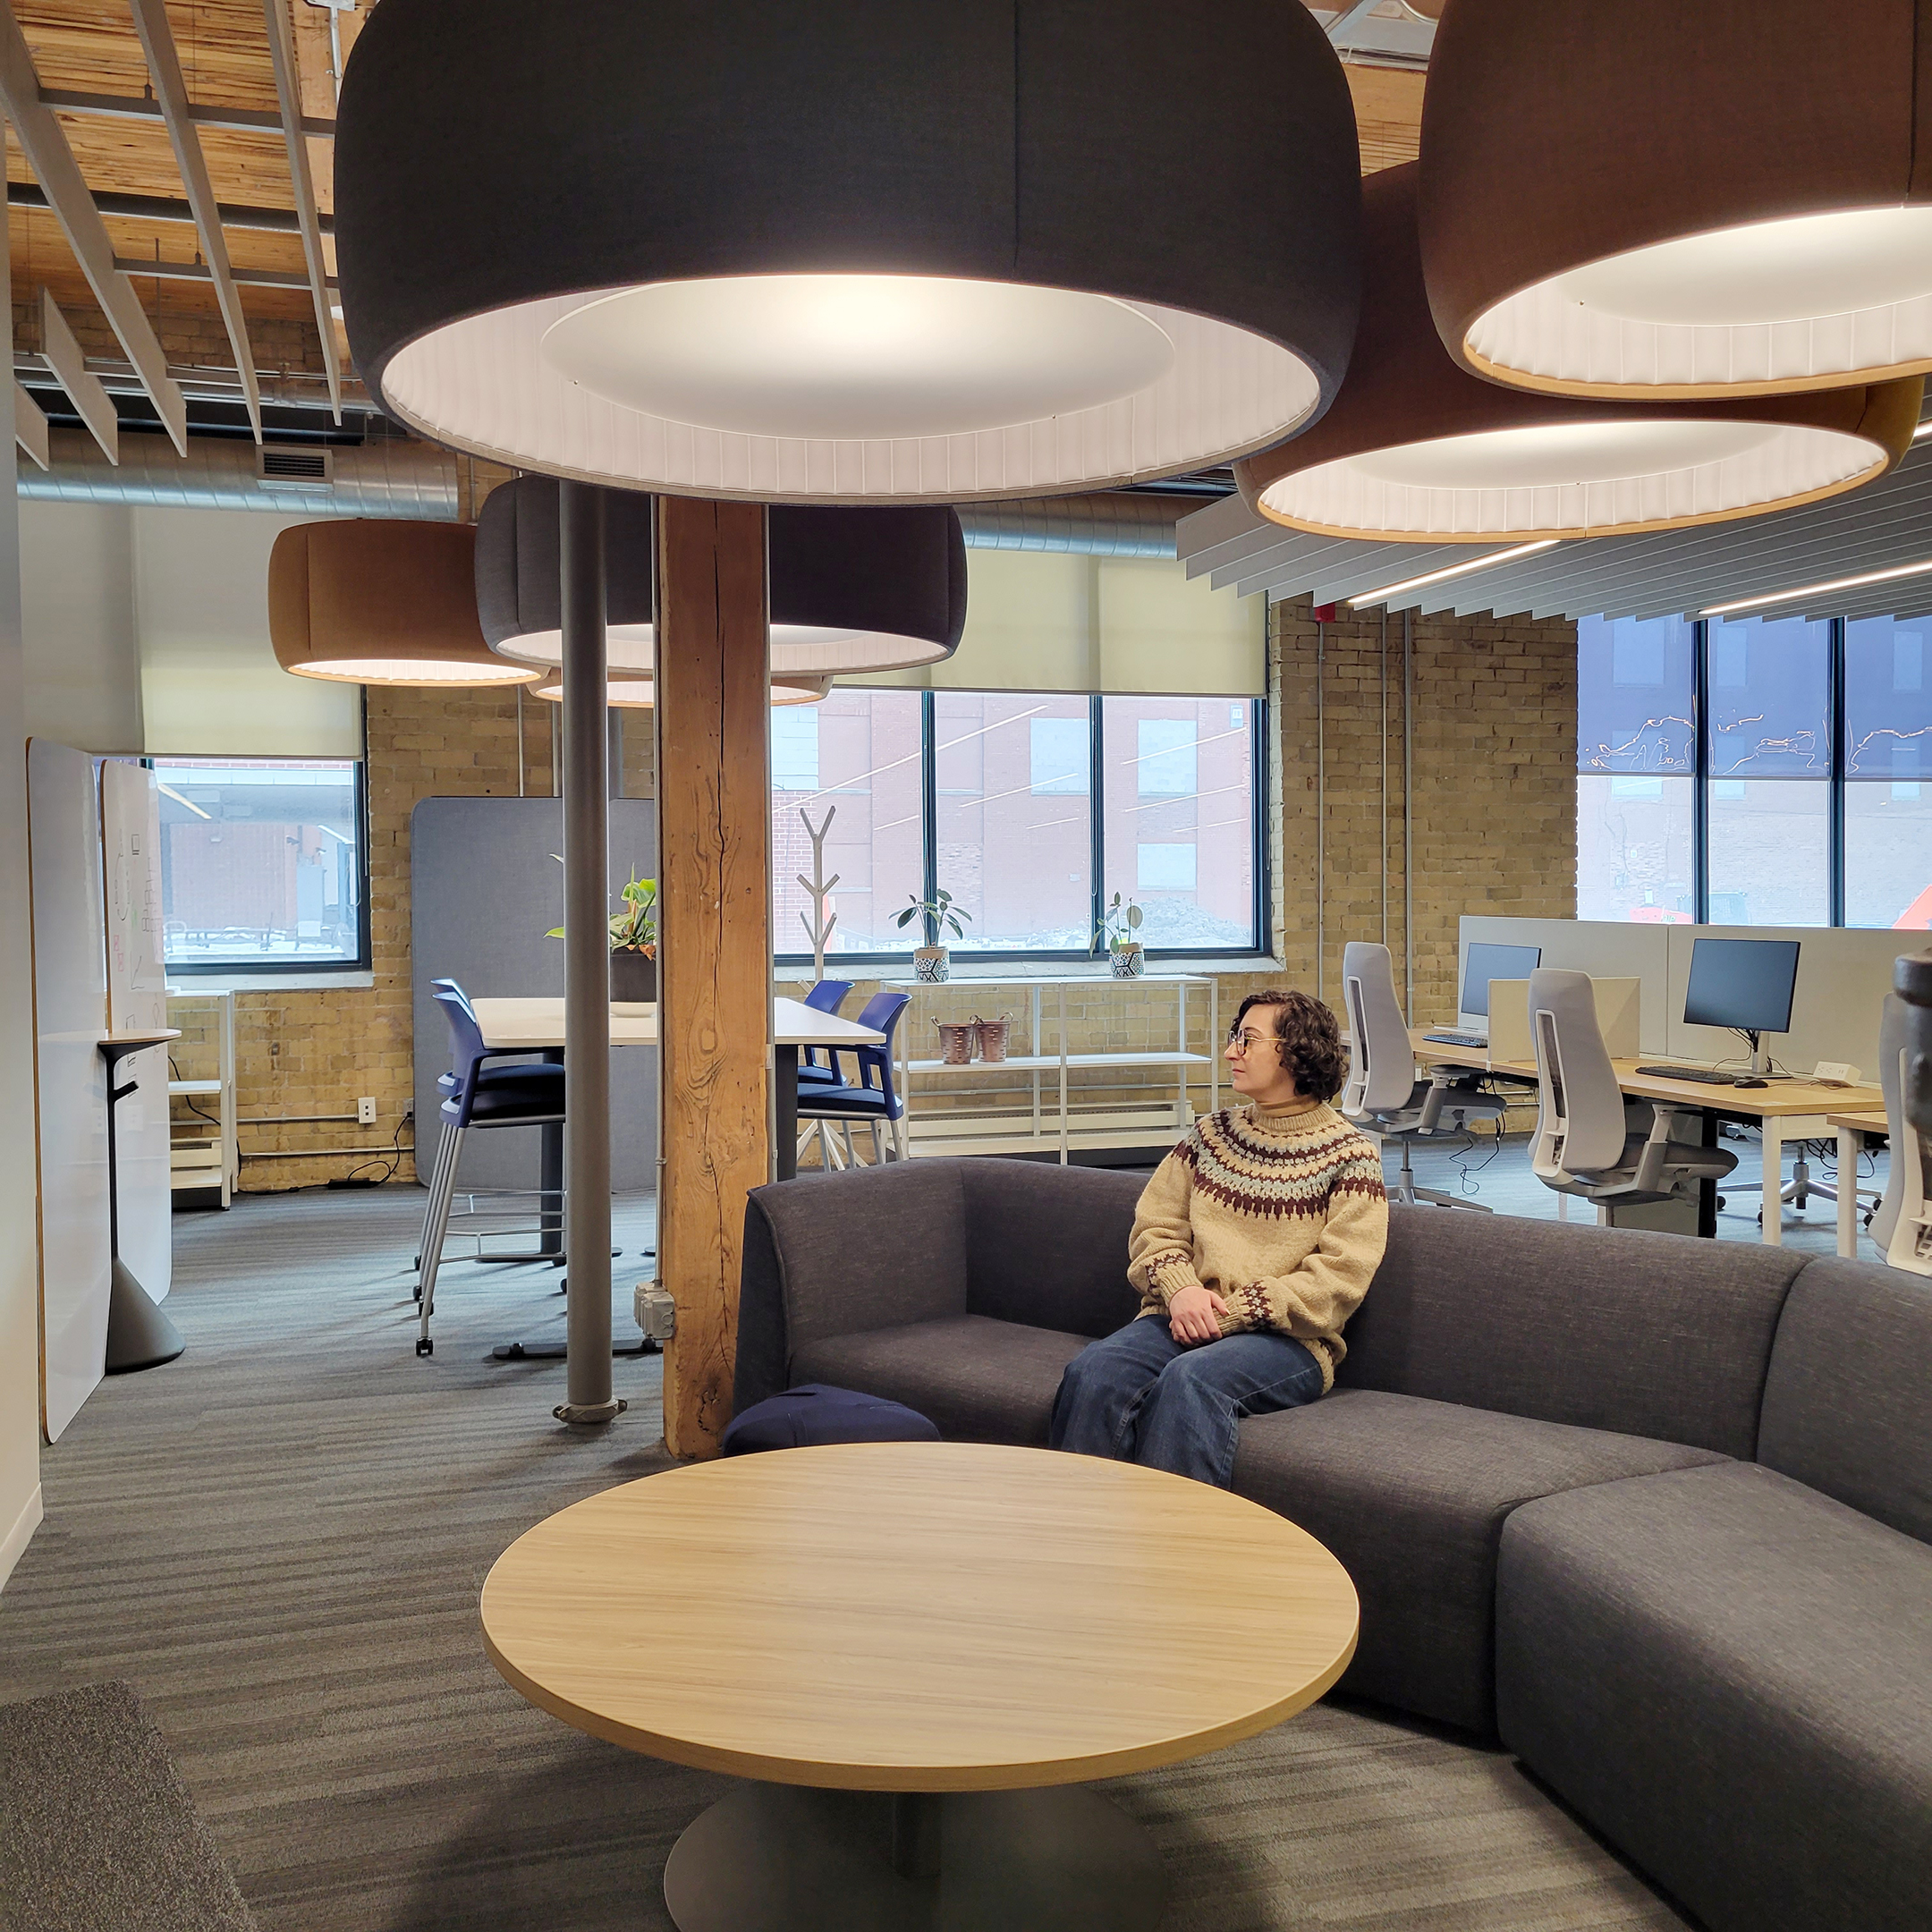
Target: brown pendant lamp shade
x,y
851,591
865,252
375,600
1417,450
1680,197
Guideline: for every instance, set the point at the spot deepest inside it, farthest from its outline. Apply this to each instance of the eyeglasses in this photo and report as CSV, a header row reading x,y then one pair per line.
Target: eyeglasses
x,y
1246,1042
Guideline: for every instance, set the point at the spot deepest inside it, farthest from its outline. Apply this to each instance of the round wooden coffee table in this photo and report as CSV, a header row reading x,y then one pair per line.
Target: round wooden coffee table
x,y
970,1630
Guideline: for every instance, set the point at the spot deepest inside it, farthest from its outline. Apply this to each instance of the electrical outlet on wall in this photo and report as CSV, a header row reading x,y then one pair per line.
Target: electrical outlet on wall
x,y
365,1110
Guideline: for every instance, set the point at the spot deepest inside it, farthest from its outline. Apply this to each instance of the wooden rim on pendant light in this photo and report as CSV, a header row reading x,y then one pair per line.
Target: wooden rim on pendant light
x,y
640,693
851,591
1644,196
851,254
1417,450
373,600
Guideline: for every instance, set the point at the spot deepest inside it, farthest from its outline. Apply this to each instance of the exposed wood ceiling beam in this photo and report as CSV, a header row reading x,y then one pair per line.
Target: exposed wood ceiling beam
x,y
171,90
139,107
288,93
161,208
48,154
92,403
194,271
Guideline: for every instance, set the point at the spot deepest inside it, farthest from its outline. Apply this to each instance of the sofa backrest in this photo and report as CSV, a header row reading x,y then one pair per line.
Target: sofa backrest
x,y
1647,1334
1847,1403
1046,1245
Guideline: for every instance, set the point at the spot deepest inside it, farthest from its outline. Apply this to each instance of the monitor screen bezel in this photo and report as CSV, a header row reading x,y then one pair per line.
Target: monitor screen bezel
x,y
1482,1012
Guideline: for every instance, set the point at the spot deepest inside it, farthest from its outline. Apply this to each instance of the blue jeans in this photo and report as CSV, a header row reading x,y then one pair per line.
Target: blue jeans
x,y
1138,1395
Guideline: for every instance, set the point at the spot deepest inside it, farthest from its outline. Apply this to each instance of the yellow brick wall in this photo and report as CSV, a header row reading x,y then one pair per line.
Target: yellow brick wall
x,y
1494,831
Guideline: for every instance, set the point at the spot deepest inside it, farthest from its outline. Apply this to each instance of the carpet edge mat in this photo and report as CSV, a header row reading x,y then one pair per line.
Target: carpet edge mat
x,y
96,1829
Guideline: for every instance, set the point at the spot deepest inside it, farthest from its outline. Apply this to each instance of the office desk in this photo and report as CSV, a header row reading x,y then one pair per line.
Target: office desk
x,y
536,1026
1852,1130
1767,1106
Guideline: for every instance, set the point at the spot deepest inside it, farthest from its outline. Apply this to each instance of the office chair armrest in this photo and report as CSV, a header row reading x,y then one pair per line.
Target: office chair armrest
x,y
1432,1105
1650,1162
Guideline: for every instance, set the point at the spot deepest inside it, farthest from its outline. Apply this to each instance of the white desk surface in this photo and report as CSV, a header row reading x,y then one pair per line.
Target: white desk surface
x,y
524,1025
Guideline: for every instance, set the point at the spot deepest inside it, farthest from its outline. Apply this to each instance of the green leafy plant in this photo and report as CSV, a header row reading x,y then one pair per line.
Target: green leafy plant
x,y
633,929
1118,925
937,915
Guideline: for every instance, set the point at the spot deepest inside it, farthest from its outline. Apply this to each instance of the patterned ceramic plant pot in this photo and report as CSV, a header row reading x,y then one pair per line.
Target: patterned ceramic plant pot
x,y
931,965
1129,961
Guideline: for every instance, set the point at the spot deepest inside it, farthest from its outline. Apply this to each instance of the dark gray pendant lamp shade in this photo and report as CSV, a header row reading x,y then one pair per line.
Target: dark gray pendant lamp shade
x,y
851,590
862,252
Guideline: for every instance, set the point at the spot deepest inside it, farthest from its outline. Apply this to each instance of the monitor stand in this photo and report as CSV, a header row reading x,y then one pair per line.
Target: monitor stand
x,y
1760,1060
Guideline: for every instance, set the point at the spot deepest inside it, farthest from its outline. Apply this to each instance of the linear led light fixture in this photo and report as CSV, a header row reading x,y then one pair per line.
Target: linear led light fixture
x,y
1454,569
1923,430
1816,590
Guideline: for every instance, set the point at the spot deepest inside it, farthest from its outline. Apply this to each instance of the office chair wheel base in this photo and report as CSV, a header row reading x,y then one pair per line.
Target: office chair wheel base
x,y
425,1345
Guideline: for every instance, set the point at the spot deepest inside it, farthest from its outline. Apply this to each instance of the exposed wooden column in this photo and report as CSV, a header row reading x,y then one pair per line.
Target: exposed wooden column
x,y
714,870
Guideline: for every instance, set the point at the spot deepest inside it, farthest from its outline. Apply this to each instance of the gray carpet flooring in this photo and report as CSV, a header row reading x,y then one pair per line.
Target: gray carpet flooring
x,y
278,1540
96,1829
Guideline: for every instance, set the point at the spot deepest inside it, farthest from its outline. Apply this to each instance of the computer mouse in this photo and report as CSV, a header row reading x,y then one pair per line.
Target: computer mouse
x,y
1751,1083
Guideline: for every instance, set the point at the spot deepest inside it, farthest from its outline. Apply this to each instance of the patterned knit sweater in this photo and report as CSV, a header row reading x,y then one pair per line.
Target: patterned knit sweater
x,y
1282,1215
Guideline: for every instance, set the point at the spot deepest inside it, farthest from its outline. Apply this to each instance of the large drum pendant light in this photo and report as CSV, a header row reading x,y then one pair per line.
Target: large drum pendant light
x,y
1417,450
851,591
377,600
640,693
868,252
1657,197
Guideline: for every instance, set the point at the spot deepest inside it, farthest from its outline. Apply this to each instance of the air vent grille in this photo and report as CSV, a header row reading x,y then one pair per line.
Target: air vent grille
x,y
296,467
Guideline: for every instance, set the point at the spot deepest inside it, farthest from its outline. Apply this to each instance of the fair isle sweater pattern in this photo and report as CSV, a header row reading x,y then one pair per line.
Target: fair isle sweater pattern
x,y
1271,1179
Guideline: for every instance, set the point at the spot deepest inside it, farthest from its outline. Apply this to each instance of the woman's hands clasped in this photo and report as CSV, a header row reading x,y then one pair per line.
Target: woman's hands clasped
x,y
1194,1315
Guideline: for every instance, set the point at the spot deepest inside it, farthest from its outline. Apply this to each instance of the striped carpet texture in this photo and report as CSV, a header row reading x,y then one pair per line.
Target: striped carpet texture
x,y
279,1539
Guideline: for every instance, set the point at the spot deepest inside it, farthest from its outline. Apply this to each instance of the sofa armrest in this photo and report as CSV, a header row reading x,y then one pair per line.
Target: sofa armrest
x,y
841,1254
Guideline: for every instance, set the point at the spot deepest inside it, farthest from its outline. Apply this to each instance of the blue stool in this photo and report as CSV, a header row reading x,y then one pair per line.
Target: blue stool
x,y
814,1412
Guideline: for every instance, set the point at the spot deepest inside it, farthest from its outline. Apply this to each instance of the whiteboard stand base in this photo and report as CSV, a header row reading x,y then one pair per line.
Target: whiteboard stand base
x,y
139,1336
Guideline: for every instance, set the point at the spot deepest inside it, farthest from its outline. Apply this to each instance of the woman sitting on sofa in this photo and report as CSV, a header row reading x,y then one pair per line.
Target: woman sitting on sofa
x,y
1252,1245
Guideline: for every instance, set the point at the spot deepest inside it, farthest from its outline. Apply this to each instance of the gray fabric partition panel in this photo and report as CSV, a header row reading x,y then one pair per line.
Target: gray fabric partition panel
x,y
483,890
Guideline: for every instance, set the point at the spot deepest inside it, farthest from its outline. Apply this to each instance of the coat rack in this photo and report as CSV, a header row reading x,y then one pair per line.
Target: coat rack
x,y
818,926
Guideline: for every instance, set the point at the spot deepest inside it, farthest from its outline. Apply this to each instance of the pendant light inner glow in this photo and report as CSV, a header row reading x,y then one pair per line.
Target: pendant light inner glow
x,y
412,670
884,357
1779,271
808,649
640,693
1571,479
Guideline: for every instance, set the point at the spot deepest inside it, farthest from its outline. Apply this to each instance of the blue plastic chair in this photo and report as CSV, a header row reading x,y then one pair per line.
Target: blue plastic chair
x,y
479,1091
820,1063
871,1096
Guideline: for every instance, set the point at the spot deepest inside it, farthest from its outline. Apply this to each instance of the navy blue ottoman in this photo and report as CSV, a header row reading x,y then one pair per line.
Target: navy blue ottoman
x,y
815,1412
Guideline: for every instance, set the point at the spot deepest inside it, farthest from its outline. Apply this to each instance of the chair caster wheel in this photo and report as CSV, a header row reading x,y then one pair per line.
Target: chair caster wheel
x,y
1722,1204
425,1345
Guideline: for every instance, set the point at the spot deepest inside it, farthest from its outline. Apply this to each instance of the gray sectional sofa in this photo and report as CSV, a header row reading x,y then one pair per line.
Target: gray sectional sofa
x,y
1655,1512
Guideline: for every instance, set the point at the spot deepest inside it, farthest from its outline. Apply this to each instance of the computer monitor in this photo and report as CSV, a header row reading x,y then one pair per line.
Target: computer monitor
x,y
1487,963
1746,984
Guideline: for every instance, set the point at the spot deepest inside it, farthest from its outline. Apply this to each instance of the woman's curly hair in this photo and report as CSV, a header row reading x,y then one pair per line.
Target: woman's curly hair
x,y
1309,1041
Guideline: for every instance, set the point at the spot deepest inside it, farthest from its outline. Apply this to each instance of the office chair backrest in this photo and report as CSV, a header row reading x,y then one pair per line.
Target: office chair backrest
x,y
1579,1116
828,995
882,1013
1381,1061
1891,1083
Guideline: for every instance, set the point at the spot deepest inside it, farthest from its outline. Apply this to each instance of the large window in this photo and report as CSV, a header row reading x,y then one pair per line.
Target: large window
x,y
1032,808
1790,795
261,864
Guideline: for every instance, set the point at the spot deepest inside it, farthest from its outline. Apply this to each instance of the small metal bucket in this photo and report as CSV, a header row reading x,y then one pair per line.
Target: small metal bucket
x,y
993,1035
956,1038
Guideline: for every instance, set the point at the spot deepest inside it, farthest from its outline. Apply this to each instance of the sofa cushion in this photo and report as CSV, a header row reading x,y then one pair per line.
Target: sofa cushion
x,y
1730,1677
979,1380
1411,1496
1845,1405
1604,1329
1048,1244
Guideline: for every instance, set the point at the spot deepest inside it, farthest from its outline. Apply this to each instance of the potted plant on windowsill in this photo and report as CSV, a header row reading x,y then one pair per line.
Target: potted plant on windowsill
x,y
633,945
931,962
1118,925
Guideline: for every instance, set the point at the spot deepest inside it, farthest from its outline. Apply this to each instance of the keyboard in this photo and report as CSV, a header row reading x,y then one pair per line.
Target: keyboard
x,y
1703,1076
1477,1040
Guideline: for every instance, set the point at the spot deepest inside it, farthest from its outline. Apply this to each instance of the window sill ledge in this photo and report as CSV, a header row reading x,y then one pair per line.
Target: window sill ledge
x,y
347,978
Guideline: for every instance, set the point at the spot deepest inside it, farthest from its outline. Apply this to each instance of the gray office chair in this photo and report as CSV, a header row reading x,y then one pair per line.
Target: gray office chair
x,y
1899,1227
1383,1094
1584,1145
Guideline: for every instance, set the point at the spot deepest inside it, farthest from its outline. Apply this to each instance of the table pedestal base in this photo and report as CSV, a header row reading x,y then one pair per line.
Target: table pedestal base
x,y
139,1336
779,1858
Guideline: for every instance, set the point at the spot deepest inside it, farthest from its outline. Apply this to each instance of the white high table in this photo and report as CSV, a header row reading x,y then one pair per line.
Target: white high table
x,y
536,1026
